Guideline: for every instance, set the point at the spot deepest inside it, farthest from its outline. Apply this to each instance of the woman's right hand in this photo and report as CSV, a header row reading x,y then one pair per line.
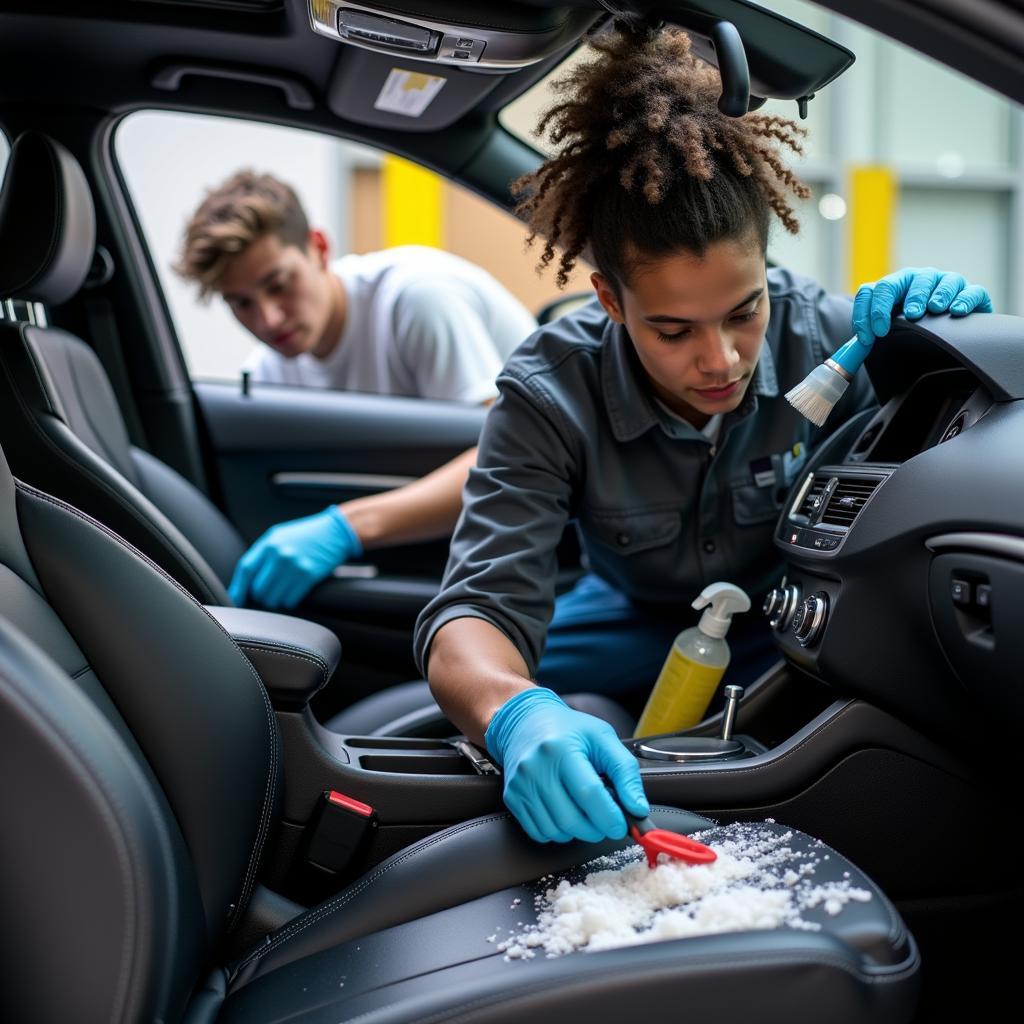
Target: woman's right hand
x,y
553,759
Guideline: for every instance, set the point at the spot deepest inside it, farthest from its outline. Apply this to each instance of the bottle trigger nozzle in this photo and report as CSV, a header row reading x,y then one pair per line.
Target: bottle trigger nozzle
x,y
726,599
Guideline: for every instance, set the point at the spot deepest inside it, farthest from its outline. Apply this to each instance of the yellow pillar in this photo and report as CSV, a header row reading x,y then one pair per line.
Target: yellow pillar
x,y
873,195
413,204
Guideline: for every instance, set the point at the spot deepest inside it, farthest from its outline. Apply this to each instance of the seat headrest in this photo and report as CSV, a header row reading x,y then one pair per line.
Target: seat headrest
x,y
47,222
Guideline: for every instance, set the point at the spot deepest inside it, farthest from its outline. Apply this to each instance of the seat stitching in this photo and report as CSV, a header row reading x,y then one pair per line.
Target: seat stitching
x,y
22,329
269,648
268,792
339,901
301,652
272,772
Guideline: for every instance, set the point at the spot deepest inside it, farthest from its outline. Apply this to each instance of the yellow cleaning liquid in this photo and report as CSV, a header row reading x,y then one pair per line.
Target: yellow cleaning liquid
x,y
685,687
695,664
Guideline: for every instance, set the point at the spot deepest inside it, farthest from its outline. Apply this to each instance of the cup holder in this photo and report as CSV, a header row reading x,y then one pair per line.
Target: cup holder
x,y
409,755
397,743
429,763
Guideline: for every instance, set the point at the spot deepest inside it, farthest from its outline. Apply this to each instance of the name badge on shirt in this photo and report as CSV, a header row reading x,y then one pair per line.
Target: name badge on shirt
x,y
763,471
783,468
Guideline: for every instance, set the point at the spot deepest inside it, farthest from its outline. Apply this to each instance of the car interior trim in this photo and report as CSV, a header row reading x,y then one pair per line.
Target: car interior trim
x,y
369,481
996,543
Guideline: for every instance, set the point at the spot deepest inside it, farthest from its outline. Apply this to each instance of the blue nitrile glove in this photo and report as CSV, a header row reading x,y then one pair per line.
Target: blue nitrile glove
x,y
553,758
292,558
920,289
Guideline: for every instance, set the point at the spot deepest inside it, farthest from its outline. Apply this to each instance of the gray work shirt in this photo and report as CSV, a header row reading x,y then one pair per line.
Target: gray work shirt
x,y
577,434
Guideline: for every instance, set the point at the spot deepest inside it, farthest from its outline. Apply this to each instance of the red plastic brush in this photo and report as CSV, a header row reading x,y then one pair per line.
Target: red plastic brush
x,y
656,840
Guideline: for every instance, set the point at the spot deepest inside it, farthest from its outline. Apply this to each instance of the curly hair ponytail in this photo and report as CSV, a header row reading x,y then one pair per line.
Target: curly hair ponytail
x,y
648,165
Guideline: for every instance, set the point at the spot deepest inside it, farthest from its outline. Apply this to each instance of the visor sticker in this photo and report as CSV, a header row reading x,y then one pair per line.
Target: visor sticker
x,y
408,92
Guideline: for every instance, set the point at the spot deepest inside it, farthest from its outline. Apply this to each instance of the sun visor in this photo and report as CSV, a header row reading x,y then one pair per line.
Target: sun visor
x,y
399,93
420,66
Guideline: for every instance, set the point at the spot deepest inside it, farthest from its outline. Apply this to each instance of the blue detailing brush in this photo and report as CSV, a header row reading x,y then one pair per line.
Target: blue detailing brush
x,y
816,395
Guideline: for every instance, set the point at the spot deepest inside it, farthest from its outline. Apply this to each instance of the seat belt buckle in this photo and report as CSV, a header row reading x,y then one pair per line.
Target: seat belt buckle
x,y
338,832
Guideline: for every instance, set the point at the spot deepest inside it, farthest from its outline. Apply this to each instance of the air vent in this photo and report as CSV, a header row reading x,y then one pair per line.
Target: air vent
x,y
847,499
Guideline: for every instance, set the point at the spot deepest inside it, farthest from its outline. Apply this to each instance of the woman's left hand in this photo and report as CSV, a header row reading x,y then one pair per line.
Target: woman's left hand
x,y
920,289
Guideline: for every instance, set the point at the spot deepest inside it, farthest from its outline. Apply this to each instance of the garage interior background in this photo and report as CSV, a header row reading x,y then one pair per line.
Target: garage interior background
x,y
911,164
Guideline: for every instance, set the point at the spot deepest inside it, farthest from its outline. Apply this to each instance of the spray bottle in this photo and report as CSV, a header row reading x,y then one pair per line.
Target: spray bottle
x,y
695,664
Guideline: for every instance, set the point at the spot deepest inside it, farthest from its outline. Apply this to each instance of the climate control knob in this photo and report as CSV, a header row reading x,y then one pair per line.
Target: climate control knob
x,y
809,620
780,604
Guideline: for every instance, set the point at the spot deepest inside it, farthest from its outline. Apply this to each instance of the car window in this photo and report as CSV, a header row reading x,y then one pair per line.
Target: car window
x,y
909,164
363,199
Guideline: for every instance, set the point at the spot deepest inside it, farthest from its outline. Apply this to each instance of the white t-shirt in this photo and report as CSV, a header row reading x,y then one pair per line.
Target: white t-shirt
x,y
418,322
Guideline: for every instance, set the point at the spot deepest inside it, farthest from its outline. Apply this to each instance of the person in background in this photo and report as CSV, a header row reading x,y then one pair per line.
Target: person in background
x,y
654,417
410,321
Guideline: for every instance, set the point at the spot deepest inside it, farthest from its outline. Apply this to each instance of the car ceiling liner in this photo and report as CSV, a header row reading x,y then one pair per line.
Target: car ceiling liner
x,y
446,51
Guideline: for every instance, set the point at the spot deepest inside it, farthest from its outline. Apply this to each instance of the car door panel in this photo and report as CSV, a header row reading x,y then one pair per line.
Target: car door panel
x,y
286,452
281,453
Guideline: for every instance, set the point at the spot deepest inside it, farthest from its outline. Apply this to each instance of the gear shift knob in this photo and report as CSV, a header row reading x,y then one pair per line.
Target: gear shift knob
x,y
733,696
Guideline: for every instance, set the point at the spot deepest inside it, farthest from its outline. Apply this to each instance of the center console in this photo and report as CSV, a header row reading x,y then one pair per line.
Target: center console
x,y
786,748
864,730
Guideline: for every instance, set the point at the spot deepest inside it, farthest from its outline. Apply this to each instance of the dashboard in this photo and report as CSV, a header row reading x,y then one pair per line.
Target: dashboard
x,y
904,539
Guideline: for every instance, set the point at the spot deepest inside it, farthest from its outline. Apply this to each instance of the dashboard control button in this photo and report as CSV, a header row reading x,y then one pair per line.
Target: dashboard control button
x,y
780,604
960,591
809,620
983,595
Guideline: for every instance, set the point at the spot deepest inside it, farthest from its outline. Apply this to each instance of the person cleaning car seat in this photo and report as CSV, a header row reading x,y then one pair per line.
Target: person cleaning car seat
x,y
654,417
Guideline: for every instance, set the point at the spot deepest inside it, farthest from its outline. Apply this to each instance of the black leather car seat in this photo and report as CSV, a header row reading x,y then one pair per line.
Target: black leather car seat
x,y
142,768
63,430
61,422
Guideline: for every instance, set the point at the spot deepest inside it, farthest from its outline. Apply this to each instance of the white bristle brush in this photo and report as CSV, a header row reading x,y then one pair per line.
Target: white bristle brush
x,y
816,395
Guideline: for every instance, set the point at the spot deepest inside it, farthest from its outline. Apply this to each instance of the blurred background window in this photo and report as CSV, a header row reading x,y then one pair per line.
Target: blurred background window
x,y
910,164
364,200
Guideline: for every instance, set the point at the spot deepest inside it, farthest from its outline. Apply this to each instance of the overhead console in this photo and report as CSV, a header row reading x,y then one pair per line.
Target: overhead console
x,y
455,33
420,65
869,603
